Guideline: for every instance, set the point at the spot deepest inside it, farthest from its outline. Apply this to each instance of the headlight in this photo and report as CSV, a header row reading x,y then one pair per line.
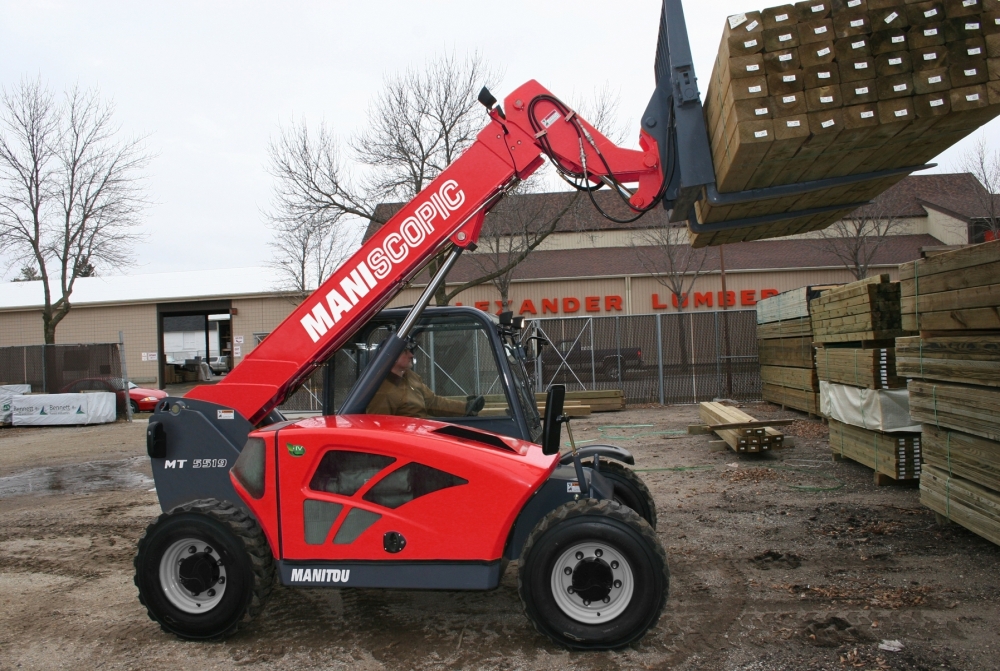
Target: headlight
x,y
148,399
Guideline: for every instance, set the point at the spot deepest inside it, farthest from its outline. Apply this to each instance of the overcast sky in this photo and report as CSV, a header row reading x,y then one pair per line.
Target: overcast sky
x,y
210,82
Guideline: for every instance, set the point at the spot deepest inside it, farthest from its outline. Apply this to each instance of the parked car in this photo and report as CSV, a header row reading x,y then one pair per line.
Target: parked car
x,y
609,363
219,364
140,398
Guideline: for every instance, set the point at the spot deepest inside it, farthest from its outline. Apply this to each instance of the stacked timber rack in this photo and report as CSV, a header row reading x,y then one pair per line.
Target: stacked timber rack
x,y
854,328
832,88
739,430
953,299
785,350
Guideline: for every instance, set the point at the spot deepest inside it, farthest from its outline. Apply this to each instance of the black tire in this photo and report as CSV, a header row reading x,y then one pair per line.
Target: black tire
x,y
630,490
609,525
135,407
236,545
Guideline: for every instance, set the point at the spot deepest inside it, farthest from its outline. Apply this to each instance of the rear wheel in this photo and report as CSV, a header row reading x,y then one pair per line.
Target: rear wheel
x,y
135,406
630,490
593,576
203,569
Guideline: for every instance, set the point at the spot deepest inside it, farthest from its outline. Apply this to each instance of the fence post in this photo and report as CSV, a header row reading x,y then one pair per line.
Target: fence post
x,y
659,353
618,351
718,360
593,365
121,353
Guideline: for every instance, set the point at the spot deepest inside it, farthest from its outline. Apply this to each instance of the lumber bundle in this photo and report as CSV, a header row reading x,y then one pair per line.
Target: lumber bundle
x,y
964,502
599,400
954,291
971,457
795,378
863,311
793,352
800,399
965,408
792,328
756,438
789,304
841,88
963,359
893,455
859,367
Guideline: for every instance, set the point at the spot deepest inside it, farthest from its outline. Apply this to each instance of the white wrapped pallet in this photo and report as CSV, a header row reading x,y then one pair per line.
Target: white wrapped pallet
x,y
886,410
63,409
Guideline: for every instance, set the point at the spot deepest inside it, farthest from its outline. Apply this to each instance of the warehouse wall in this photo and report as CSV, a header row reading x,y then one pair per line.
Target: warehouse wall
x,y
260,316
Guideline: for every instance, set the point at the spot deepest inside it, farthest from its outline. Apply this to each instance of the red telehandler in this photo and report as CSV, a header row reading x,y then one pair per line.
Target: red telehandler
x,y
354,499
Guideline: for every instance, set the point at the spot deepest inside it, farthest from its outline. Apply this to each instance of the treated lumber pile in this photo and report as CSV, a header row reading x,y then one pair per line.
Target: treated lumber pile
x,y
869,368
954,291
896,456
785,350
599,400
841,88
756,436
858,312
963,359
953,367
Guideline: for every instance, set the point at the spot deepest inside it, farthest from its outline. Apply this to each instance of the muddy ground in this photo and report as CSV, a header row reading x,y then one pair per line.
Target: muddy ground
x,y
782,562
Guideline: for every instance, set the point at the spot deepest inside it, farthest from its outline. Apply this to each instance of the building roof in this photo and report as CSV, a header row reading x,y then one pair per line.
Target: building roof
x,y
153,287
742,256
959,194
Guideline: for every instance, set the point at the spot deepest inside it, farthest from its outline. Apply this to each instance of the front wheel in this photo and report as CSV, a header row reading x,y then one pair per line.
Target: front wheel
x,y
630,490
593,576
203,569
135,407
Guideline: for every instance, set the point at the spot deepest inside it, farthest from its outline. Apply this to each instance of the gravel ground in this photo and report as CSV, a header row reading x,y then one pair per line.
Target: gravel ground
x,y
785,561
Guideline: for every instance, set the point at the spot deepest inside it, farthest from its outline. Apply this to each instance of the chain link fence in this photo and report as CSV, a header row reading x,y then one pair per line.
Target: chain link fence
x,y
53,369
665,358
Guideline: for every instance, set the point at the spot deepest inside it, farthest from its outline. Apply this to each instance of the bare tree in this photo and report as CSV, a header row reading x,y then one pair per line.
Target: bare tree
x,y
984,165
71,189
857,238
27,274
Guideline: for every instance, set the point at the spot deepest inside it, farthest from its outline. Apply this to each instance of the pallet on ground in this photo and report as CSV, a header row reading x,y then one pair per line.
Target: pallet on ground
x,y
794,378
799,399
793,328
958,453
861,311
786,352
789,304
962,359
873,368
954,291
964,502
896,455
757,437
965,408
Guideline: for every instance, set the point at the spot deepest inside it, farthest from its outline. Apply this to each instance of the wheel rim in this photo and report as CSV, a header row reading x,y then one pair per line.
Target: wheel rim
x,y
193,575
592,583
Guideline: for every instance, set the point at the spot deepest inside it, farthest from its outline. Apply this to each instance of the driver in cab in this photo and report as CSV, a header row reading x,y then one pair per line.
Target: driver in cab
x,y
403,393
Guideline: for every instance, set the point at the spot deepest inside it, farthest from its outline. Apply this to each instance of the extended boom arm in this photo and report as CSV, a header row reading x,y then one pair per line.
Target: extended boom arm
x,y
450,210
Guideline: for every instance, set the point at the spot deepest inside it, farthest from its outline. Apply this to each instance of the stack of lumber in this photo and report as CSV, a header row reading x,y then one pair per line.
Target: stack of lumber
x,y
864,311
954,385
599,400
855,326
868,368
785,350
824,89
953,292
739,430
893,456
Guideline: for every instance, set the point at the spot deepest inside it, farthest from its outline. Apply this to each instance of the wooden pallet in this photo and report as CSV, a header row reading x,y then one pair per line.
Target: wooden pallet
x,y
962,359
893,455
954,291
799,399
871,368
964,502
965,408
748,434
971,457
787,352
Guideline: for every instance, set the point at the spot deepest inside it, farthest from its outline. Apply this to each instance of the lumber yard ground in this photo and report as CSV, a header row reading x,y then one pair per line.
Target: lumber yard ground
x,y
782,562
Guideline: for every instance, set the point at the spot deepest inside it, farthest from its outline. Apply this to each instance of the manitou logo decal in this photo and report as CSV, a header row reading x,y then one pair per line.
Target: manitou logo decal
x,y
320,574
394,249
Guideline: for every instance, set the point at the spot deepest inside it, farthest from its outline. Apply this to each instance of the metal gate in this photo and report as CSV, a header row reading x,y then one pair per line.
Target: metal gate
x,y
665,358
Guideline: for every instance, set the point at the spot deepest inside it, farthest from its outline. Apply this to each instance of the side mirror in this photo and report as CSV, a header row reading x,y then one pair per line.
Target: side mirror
x,y
552,428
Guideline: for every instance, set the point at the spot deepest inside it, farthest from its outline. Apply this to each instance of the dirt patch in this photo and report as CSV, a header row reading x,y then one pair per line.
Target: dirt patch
x,y
762,557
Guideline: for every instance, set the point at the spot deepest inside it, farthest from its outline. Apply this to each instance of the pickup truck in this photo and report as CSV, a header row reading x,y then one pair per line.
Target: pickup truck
x,y
610,363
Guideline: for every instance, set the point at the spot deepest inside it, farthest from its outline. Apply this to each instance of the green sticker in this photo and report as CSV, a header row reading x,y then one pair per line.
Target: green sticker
x,y
295,450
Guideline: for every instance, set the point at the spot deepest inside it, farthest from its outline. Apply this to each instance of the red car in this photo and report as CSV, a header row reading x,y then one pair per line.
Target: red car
x,y
140,398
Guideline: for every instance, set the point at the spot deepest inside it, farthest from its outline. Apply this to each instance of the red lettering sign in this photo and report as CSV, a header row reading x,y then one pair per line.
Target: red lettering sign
x,y
767,293
550,305
527,305
703,299
657,305
684,301
571,305
592,303
746,297
612,303
730,299
482,305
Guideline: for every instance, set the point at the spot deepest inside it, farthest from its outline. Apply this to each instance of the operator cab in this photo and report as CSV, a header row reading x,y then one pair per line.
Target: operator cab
x,y
459,353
